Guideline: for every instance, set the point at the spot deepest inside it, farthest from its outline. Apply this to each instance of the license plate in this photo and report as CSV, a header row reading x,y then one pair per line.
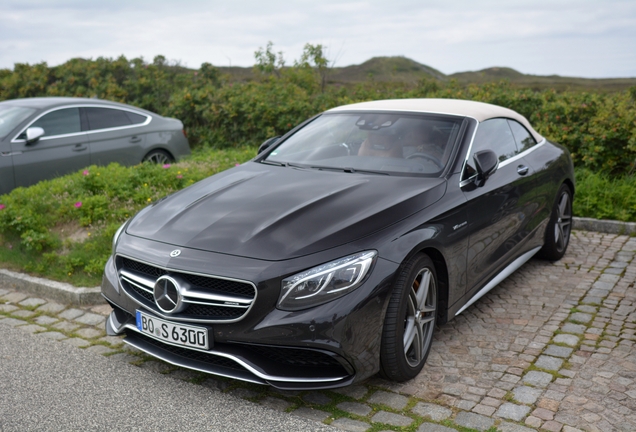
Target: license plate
x,y
173,333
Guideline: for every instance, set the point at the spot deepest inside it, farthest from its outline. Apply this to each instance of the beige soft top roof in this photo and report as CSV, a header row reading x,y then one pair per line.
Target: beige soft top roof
x,y
478,110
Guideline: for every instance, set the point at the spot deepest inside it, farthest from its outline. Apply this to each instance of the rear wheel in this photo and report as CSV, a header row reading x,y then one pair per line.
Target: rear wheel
x,y
557,234
410,320
158,157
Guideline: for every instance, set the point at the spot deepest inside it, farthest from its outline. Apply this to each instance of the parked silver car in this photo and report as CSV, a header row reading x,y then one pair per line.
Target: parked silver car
x,y
41,138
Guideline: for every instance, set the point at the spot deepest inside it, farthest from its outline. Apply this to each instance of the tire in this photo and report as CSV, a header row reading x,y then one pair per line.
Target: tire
x,y
159,157
407,335
557,233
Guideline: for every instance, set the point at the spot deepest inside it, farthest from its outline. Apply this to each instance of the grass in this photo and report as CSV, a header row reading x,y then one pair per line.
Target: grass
x,y
600,196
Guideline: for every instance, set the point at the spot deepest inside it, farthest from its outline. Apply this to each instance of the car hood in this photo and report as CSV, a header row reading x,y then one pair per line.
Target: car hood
x,y
275,213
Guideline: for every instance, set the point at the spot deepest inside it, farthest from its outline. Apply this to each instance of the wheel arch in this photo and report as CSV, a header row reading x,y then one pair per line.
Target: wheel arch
x,y
441,269
158,148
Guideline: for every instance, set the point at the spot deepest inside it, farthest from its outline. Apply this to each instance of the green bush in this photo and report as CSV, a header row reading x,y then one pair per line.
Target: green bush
x,y
598,129
62,228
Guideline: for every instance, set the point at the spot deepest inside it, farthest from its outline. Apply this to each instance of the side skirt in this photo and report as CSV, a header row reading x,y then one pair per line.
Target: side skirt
x,y
512,267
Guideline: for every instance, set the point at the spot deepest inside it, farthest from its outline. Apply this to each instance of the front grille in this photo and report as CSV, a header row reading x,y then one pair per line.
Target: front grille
x,y
138,279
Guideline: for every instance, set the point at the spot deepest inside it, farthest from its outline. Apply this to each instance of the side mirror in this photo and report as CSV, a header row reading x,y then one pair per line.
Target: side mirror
x,y
33,134
267,144
486,162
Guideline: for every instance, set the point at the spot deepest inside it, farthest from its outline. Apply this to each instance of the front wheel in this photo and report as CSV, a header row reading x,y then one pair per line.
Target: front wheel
x,y
410,320
557,234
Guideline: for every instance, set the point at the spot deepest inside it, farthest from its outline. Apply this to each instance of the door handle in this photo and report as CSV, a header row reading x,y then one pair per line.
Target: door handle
x,y
135,139
79,147
522,170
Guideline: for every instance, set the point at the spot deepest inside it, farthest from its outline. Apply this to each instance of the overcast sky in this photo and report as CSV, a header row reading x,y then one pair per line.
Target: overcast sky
x,y
585,38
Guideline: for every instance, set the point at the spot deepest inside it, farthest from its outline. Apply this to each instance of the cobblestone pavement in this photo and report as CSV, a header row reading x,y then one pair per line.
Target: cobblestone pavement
x,y
551,348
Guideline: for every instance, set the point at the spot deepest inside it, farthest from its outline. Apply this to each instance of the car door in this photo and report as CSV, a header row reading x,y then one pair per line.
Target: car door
x,y
497,211
115,135
62,149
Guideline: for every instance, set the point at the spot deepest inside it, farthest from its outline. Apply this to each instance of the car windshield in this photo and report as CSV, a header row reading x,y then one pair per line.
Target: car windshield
x,y
383,143
11,116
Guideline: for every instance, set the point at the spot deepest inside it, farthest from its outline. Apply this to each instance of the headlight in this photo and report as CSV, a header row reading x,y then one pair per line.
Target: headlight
x,y
117,234
325,282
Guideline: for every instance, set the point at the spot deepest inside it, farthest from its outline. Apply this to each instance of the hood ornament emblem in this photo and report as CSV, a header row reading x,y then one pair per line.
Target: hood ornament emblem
x,y
175,253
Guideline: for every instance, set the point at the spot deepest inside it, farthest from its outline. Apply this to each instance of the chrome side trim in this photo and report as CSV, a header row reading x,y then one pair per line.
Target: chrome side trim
x,y
522,154
249,367
500,277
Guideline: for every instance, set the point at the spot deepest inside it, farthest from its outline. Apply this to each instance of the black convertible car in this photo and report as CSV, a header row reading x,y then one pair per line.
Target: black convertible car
x,y
332,255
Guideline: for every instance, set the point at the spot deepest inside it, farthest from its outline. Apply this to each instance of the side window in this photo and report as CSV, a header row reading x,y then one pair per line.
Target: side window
x,y
495,135
105,118
135,118
523,138
59,122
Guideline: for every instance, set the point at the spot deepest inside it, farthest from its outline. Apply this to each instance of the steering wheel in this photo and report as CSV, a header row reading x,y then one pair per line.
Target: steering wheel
x,y
427,157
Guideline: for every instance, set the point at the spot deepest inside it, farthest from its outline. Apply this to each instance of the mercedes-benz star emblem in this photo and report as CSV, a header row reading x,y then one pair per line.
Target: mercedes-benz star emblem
x,y
167,295
175,253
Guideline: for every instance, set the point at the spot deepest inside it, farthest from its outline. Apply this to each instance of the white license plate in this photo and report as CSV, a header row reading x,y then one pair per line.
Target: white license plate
x,y
174,333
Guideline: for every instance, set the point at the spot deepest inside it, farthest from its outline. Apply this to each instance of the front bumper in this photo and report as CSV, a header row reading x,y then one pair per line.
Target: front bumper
x,y
328,346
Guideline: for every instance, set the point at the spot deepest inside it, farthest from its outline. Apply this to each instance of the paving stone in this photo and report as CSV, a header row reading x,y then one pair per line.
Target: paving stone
x,y
512,411
484,410
52,308
311,414
91,319
316,398
65,326
32,302
435,412
355,408
392,400
45,320
573,328
549,363
558,351
115,341
580,317
275,403
351,425
354,391
526,395
23,313
14,297
71,314
474,421
391,419
76,342
587,309
12,322
432,427
537,379
52,335
7,308
567,339
32,328
512,427
4,292
89,333
103,309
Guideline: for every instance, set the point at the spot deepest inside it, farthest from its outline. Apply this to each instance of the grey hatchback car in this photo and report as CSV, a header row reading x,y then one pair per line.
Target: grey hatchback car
x,y
41,138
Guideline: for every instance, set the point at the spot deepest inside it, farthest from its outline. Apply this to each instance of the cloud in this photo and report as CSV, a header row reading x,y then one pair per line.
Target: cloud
x,y
581,38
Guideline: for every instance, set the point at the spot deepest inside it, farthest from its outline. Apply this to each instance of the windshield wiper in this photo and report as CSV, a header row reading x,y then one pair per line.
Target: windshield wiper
x,y
282,164
349,170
